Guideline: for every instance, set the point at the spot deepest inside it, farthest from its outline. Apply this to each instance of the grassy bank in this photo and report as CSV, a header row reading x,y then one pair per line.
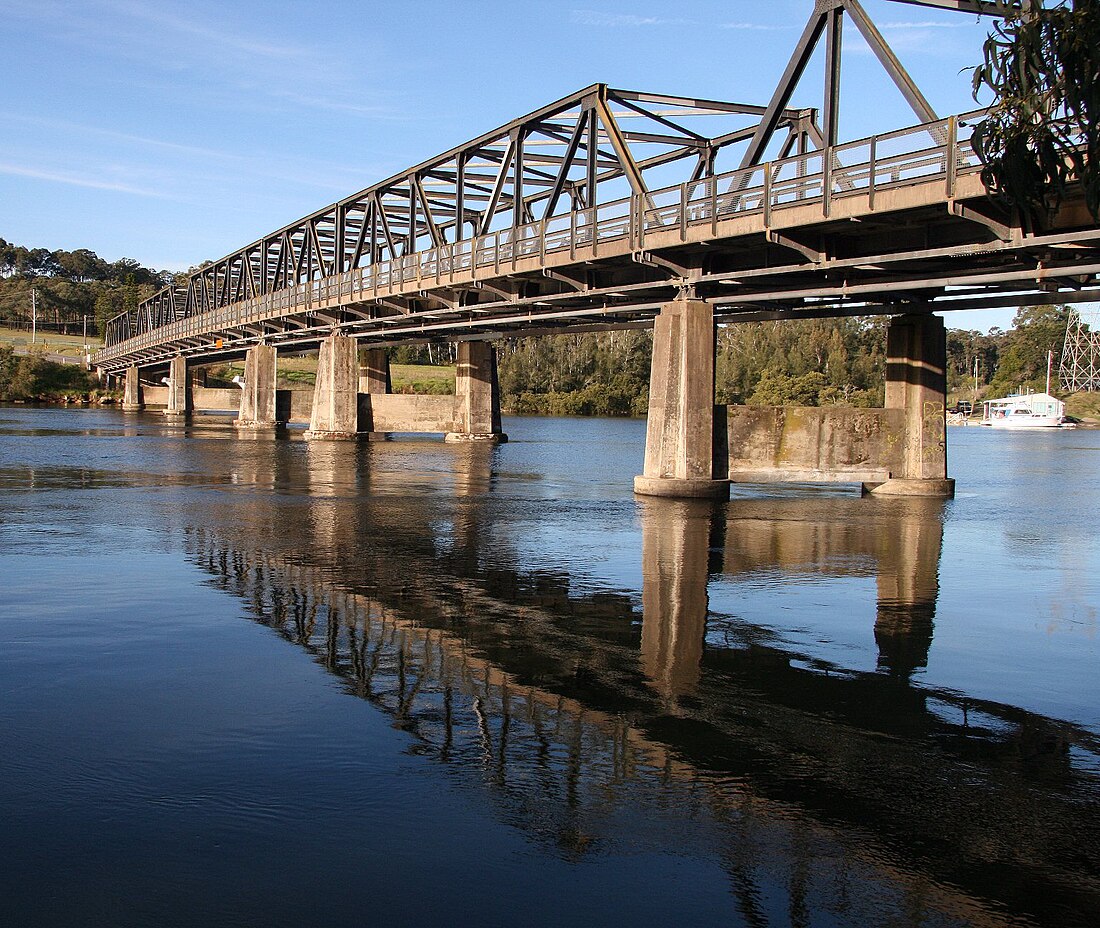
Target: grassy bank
x,y
298,373
47,341
1084,406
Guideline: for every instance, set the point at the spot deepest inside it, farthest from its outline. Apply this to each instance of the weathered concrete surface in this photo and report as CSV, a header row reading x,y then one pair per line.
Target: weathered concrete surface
x,y
397,412
215,399
916,382
132,399
154,397
335,413
900,450
814,444
374,371
477,393
258,409
680,441
179,389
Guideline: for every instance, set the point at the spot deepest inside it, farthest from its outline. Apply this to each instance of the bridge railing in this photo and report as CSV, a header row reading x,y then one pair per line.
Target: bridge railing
x,y
939,150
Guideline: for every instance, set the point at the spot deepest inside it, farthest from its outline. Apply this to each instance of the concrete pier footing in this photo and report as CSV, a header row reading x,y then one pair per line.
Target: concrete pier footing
x,y
180,396
257,410
477,394
335,415
680,447
132,399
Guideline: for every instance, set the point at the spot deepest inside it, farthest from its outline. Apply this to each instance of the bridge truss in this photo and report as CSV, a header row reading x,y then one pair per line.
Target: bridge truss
x,y
594,210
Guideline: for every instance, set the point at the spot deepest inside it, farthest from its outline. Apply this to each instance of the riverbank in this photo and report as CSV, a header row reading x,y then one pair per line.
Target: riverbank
x,y
32,378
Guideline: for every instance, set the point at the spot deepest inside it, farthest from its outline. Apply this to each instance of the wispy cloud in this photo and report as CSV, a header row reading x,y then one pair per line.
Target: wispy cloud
x,y
340,106
632,20
224,37
755,27
78,180
304,172
619,20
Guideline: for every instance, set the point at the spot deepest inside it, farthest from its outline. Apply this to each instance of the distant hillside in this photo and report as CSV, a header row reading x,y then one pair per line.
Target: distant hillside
x,y
70,285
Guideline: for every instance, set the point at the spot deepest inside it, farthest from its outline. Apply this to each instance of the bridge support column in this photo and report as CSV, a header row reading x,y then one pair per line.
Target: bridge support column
x,y
680,446
132,399
916,381
477,394
335,414
374,371
257,411
180,401
374,380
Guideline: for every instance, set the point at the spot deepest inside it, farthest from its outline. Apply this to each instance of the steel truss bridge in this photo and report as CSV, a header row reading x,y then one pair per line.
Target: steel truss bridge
x,y
593,211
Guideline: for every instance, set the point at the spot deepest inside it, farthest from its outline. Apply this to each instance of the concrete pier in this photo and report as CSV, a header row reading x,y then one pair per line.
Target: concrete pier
x,y
180,396
132,399
374,382
374,371
258,411
916,382
680,449
335,415
477,394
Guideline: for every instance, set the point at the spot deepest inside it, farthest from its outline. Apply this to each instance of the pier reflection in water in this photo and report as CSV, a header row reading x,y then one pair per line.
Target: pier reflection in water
x,y
634,705
831,789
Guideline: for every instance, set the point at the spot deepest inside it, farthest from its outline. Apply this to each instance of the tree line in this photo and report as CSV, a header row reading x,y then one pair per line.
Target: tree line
x,y
70,286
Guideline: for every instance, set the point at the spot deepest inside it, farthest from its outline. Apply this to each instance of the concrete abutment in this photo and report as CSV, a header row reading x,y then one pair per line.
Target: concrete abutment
x,y
916,382
335,414
694,448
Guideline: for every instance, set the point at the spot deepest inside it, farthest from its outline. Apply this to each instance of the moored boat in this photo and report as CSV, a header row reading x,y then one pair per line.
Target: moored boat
x,y
1024,411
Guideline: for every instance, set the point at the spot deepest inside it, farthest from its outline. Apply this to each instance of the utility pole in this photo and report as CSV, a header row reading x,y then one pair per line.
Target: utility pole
x,y
34,314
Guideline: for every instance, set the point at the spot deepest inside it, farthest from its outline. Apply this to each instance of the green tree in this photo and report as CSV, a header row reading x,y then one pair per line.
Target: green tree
x,y
777,388
1043,129
1036,330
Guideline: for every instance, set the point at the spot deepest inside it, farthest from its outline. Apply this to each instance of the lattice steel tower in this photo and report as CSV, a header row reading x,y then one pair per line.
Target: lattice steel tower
x,y
1079,369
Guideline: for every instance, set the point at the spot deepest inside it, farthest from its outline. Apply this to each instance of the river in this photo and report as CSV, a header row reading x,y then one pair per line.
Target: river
x,y
255,682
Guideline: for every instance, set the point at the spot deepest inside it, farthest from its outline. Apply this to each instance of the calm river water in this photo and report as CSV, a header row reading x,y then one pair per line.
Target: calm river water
x,y
272,683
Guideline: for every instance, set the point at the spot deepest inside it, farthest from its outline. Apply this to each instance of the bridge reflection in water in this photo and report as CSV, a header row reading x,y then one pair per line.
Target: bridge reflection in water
x,y
819,788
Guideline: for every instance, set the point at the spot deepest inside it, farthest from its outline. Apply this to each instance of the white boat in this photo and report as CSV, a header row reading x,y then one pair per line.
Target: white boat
x,y
1025,411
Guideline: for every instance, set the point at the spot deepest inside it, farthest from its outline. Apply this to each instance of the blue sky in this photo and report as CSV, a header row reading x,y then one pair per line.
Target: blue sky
x,y
175,132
